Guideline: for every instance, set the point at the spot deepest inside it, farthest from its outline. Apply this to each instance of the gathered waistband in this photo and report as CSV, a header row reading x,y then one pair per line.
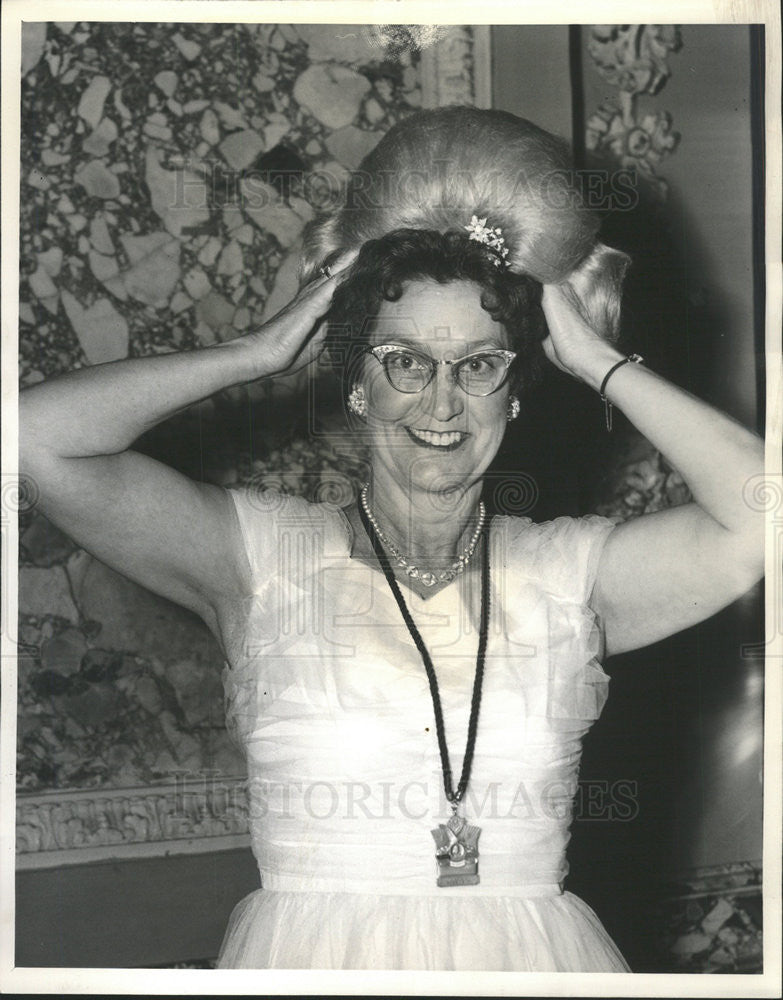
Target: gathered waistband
x,y
277,882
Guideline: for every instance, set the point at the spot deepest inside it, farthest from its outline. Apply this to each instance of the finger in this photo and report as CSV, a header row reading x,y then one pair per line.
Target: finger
x,y
561,311
318,337
553,297
320,288
316,342
551,353
324,284
343,261
548,301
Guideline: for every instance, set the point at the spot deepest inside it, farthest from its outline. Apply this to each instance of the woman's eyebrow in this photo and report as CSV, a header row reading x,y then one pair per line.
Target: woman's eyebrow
x,y
475,346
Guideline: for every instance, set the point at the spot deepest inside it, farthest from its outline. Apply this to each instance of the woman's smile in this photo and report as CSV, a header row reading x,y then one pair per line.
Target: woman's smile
x,y
442,440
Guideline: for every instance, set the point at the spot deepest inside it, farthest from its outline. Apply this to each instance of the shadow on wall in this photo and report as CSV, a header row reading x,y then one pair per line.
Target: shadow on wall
x,y
681,736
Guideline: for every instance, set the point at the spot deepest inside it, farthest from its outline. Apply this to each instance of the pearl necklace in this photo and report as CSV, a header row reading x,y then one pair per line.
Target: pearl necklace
x,y
414,572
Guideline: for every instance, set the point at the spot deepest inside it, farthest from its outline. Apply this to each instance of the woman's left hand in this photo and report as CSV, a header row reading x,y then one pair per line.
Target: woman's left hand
x,y
572,345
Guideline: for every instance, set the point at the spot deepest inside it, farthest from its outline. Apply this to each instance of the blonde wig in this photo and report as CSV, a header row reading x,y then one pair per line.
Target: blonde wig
x,y
436,169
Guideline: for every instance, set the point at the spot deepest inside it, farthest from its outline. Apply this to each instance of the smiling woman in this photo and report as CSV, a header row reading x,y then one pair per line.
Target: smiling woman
x,y
410,679
433,374
439,441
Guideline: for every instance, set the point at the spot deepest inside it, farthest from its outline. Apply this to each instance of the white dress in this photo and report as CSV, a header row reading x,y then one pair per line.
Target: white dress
x,y
330,699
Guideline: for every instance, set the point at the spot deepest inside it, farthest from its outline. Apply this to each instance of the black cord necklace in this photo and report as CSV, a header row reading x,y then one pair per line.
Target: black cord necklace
x,y
456,841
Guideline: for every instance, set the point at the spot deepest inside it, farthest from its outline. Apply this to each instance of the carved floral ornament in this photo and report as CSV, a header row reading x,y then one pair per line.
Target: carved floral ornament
x,y
633,58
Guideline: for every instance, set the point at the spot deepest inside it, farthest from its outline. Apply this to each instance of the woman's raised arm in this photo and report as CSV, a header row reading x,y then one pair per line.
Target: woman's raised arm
x,y
172,535
665,571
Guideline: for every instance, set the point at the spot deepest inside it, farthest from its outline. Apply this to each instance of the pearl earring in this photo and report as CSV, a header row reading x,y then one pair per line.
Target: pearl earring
x,y
513,408
357,402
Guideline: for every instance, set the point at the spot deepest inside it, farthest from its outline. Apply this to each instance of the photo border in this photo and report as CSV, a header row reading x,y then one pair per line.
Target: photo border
x,y
332,982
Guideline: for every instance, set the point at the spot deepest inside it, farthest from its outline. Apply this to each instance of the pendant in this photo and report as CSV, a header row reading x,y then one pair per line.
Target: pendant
x,y
456,852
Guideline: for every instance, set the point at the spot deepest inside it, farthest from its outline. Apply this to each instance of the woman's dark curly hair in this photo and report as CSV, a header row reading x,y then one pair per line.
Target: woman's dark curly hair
x,y
383,266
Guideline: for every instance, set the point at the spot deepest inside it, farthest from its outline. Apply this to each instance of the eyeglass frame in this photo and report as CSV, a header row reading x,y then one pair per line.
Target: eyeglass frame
x,y
380,351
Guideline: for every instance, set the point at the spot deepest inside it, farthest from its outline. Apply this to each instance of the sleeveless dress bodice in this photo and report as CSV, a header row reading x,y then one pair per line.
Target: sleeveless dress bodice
x,y
328,695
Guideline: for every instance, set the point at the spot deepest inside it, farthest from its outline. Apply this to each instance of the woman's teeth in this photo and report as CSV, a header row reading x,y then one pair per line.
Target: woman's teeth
x,y
438,438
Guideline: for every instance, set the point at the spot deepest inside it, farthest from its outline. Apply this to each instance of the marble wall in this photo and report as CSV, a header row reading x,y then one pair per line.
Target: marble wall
x,y
167,174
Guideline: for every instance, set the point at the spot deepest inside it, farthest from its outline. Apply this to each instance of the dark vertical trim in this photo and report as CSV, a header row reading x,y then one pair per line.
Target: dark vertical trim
x,y
493,81
758,161
577,94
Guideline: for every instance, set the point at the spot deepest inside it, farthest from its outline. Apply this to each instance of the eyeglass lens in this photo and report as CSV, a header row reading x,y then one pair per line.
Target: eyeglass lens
x,y
478,374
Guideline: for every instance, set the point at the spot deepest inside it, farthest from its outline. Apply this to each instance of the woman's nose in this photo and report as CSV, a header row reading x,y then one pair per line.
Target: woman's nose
x,y
448,400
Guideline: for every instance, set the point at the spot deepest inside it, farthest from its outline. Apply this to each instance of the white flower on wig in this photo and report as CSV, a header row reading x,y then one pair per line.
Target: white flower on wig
x,y
492,238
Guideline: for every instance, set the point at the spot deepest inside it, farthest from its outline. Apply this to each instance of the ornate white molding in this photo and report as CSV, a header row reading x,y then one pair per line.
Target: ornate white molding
x,y
457,69
84,825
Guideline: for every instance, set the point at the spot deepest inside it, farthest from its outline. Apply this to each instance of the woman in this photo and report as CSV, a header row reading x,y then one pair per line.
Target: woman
x,y
411,681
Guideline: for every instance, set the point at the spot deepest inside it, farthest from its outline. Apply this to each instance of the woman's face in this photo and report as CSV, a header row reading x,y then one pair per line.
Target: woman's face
x,y
440,438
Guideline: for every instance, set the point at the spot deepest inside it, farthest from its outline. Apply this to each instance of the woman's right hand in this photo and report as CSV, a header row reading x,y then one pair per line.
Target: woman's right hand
x,y
295,336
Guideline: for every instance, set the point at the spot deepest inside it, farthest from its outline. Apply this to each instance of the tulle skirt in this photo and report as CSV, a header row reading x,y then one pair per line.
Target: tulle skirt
x,y
338,930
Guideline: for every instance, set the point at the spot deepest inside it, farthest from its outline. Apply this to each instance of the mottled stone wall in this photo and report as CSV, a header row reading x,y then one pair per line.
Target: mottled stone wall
x,y
712,923
167,174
